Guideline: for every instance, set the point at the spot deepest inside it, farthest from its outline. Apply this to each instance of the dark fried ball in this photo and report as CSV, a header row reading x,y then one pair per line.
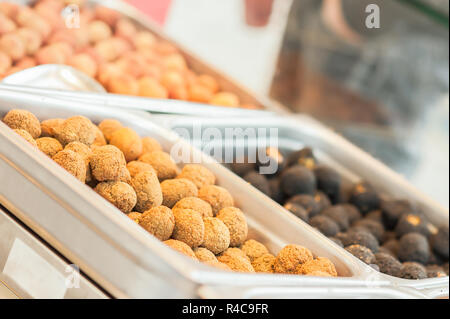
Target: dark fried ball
x,y
388,235
275,190
413,270
362,253
258,181
392,210
322,200
364,197
325,225
414,247
413,223
435,271
439,242
353,213
374,227
339,215
328,181
242,169
375,215
393,246
388,264
361,237
298,180
308,202
298,211
304,157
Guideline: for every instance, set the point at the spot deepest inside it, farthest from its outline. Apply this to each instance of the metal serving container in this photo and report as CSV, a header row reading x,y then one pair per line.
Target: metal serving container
x,y
195,63
352,163
27,261
123,258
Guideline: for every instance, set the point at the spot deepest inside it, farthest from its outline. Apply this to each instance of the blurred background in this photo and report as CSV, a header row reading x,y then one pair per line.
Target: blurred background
x,y
386,89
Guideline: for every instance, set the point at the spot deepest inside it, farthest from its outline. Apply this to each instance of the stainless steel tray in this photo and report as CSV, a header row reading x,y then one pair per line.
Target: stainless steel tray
x,y
26,262
194,62
354,164
118,254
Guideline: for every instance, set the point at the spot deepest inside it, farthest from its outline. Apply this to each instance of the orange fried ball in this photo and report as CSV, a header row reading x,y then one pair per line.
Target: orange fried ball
x,y
76,129
49,146
22,119
233,251
209,82
108,127
290,257
264,263
26,136
321,264
119,194
85,152
84,63
237,263
189,227
318,273
163,164
98,30
254,249
149,144
217,235
180,247
236,222
218,265
218,197
198,174
31,38
135,216
225,99
5,62
123,84
148,190
204,255
158,221
150,87
13,46
136,167
107,163
72,162
196,204
144,40
128,141
49,127
174,190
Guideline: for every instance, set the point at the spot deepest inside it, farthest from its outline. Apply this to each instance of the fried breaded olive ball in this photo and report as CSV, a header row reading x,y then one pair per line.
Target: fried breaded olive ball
x,y
236,222
318,273
218,197
374,227
413,270
136,167
414,247
392,210
362,253
388,264
108,127
120,194
352,211
49,127
217,235
264,263
163,164
325,225
174,190
135,216
195,203
148,191
233,251
85,152
218,264
189,227
365,197
149,144
22,119
99,137
290,257
128,141
49,146
180,247
339,215
73,163
236,263
392,246
76,129
319,264
204,255
108,164
158,221
26,136
254,249
198,174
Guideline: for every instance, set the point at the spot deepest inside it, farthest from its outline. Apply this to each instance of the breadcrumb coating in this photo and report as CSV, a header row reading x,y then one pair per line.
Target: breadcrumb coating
x,y
236,222
290,257
76,129
217,235
319,264
158,221
218,197
72,162
174,190
119,194
23,120
189,227
162,163
25,135
196,204
148,191
198,174
180,247
254,249
49,146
